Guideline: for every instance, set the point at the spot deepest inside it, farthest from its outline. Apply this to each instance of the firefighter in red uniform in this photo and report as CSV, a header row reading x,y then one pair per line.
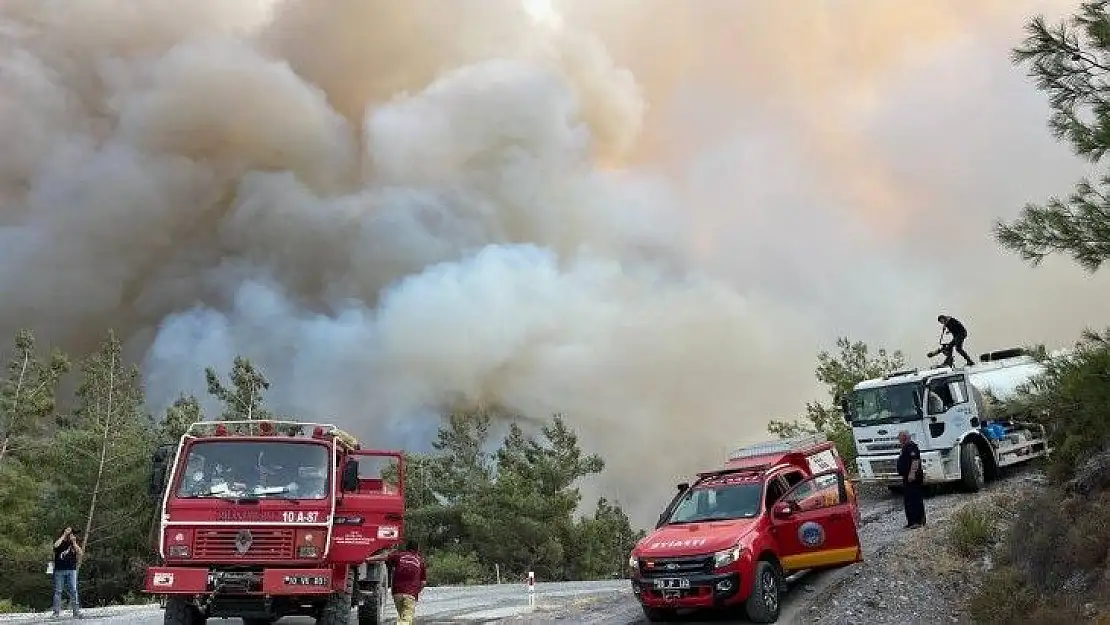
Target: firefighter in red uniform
x,y
410,575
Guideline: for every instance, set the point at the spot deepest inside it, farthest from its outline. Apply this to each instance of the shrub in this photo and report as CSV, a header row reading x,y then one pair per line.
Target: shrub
x,y
449,568
973,531
1002,599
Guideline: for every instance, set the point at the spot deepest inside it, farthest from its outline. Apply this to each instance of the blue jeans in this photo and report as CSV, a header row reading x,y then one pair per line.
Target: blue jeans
x,y
65,580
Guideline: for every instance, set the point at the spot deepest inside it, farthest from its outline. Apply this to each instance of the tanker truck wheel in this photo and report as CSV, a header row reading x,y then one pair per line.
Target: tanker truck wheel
x,y
337,608
181,611
971,467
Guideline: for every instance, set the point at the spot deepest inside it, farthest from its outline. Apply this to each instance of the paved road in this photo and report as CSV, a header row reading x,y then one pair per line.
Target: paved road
x,y
586,603
437,605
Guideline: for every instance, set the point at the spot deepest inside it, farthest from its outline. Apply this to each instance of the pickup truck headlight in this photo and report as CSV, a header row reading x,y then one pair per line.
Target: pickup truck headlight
x,y
728,556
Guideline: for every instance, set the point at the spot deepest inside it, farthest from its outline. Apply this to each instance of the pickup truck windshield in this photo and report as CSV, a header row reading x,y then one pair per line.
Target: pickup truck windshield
x,y
255,469
718,499
886,404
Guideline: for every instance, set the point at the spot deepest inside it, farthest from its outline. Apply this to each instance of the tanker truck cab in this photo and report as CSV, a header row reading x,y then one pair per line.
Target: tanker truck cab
x,y
732,538
946,414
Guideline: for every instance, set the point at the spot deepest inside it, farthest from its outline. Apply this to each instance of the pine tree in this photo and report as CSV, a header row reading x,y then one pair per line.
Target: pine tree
x,y
243,400
184,412
1071,63
27,395
101,463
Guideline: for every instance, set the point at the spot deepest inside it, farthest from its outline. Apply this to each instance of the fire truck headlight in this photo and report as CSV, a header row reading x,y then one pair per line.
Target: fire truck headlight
x,y
307,551
633,562
178,551
728,556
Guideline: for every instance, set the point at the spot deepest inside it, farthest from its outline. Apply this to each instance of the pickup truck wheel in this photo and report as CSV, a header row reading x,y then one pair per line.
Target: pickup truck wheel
x,y
764,603
337,607
181,611
971,467
660,615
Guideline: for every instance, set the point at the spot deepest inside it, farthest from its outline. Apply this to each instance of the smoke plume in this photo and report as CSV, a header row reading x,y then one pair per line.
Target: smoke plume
x,y
647,215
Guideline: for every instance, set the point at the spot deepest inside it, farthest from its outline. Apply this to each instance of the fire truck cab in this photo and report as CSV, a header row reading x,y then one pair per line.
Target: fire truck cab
x,y
731,538
265,519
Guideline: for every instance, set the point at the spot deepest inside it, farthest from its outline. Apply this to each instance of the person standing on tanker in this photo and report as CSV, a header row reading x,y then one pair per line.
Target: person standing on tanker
x,y
913,479
959,335
67,553
410,575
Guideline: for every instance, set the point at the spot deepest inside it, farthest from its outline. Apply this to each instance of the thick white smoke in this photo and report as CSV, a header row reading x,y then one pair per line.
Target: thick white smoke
x,y
395,206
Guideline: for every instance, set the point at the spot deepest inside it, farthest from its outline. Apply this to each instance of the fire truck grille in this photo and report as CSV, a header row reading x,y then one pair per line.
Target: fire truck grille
x,y
224,544
672,567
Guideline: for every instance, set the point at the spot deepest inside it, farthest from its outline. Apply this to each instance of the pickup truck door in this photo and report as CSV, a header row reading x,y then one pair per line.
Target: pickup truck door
x,y
814,524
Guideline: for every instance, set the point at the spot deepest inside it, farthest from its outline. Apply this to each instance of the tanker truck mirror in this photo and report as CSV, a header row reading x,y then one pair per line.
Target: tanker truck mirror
x,y
349,481
846,409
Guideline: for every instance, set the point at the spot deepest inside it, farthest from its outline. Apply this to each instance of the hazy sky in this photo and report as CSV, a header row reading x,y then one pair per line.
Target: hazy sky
x,y
649,215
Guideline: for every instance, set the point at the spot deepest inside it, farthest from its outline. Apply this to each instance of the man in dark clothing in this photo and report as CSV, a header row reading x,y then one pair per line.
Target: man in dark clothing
x,y
410,575
67,553
959,335
913,478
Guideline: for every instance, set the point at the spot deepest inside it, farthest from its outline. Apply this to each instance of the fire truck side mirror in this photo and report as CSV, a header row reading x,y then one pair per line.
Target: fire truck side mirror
x,y
158,465
349,480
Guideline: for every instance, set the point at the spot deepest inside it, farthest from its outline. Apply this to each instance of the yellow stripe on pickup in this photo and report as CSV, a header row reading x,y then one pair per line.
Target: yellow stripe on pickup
x,y
825,557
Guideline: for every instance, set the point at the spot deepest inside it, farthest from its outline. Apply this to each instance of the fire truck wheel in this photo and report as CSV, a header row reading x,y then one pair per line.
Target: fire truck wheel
x,y
764,603
370,612
181,611
660,615
337,608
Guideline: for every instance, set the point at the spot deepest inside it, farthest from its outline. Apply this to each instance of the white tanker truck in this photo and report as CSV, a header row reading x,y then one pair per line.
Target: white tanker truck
x,y
945,413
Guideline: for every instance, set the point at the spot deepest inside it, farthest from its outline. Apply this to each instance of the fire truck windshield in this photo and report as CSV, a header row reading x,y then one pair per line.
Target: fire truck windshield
x,y
720,498
255,469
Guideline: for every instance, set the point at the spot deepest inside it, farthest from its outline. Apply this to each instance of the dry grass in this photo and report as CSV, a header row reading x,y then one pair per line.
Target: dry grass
x,y
973,531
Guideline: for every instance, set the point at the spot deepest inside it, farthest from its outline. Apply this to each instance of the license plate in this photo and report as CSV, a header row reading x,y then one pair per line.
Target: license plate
x,y
305,580
672,583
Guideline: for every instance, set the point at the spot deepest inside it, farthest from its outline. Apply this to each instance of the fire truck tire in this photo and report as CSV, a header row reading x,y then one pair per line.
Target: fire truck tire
x,y
971,467
337,607
181,611
660,615
370,612
765,601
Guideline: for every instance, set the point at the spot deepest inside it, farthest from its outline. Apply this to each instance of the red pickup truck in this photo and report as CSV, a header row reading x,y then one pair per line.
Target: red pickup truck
x,y
731,538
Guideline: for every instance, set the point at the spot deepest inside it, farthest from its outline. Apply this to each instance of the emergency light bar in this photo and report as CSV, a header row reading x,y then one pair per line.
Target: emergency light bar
x,y
266,427
783,446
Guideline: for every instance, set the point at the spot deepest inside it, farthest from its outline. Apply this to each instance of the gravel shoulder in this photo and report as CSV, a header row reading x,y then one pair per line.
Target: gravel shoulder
x,y
911,576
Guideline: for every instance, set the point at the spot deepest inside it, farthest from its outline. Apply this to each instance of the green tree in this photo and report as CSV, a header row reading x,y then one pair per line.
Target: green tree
x,y
1070,63
24,547
243,399
602,543
184,412
853,364
28,393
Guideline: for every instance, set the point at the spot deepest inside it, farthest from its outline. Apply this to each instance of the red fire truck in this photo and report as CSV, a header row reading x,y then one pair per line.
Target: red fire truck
x,y
732,537
265,519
